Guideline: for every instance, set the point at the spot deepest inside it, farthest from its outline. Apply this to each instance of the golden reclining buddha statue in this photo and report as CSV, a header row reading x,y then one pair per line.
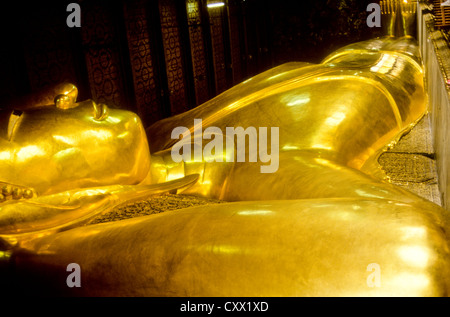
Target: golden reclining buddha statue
x,y
314,225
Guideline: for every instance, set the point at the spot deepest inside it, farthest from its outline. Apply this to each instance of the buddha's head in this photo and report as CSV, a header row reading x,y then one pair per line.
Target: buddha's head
x,y
65,145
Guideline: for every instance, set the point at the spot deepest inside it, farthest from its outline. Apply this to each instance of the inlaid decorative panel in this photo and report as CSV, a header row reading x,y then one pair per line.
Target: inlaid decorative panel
x,y
216,20
236,53
197,50
147,93
173,56
101,49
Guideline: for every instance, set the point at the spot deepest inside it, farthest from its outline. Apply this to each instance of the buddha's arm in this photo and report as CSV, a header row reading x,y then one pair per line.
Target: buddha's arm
x,y
34,218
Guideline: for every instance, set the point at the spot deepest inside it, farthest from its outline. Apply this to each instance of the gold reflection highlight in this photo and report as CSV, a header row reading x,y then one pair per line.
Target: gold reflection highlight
x,y
415,256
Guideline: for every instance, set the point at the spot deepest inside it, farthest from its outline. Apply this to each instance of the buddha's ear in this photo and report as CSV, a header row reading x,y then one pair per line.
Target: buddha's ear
x,y
101,111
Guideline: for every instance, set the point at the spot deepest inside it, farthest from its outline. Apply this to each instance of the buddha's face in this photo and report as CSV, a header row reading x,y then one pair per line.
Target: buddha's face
x,y
51,149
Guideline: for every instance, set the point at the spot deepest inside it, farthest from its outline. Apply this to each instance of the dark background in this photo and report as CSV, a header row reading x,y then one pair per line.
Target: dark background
x,y
162,57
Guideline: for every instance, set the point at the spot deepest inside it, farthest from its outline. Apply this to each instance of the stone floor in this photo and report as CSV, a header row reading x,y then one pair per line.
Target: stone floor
x,y
411,163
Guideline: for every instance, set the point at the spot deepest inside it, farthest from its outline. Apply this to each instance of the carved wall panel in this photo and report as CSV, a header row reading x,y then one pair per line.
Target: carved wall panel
x,y
102,54
147,93
176,73
216,20
236,52
154,57
198,53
